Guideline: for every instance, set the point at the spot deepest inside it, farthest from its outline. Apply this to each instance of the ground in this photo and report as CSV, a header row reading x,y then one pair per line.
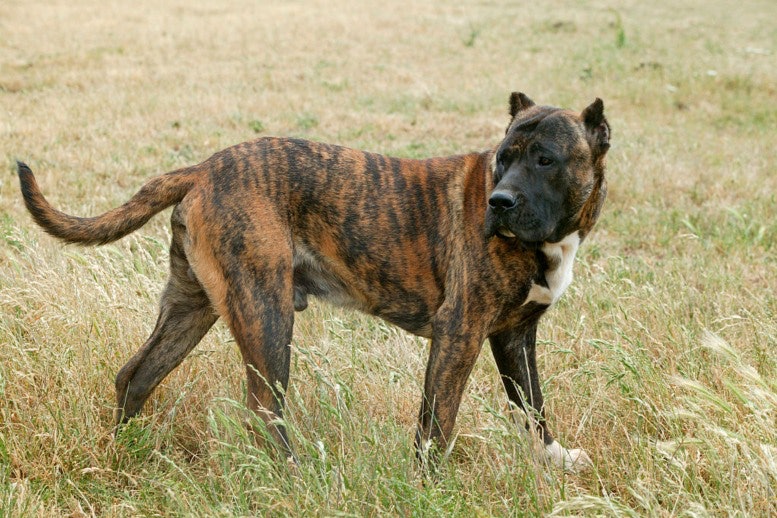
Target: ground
x,y
659,360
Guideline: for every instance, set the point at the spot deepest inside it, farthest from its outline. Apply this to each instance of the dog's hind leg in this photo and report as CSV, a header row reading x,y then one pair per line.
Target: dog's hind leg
x,y
185,315
245,265
260,315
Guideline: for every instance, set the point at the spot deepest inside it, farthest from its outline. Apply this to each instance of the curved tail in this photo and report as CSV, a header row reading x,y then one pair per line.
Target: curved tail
x,y
156,195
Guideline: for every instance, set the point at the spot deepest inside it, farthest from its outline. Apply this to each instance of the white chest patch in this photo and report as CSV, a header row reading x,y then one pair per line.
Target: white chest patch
x,y
561,258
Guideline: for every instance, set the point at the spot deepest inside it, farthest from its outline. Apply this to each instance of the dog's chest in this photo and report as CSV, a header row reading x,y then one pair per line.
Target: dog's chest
x,y
558,276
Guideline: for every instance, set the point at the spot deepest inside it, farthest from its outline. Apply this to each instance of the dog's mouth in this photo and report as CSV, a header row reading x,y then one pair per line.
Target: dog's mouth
x,y
503,232
510,228
500,229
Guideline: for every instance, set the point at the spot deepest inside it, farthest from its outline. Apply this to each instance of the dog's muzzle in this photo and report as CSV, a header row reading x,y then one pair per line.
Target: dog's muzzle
x,y
499,203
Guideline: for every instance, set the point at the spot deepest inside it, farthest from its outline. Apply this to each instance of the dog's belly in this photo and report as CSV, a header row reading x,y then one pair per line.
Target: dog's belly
x,y
312,276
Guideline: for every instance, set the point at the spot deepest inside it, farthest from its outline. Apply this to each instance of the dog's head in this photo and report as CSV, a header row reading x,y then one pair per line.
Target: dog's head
x,y
548,173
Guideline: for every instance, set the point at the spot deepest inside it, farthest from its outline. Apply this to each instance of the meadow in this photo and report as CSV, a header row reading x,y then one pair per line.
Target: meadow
x,y
660,360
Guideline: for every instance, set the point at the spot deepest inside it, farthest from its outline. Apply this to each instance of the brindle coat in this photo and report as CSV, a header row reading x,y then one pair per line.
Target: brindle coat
x,y
449,248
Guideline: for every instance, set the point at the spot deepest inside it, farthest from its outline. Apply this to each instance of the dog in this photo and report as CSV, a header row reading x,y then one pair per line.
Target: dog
x,y
458,249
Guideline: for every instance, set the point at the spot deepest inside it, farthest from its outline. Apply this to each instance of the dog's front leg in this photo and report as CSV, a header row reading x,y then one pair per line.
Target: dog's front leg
x,y
515,355
451,359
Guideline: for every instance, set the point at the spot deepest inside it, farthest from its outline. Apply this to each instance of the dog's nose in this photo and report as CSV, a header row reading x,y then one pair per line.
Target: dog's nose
x,y
501,201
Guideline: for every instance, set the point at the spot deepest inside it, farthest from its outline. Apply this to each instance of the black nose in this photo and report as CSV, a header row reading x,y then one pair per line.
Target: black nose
x,y
501,201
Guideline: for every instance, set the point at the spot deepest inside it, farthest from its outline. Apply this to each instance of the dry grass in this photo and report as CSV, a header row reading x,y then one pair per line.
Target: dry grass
x,y
660,359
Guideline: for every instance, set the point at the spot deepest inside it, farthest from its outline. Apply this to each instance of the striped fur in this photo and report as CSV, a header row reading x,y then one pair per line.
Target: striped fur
x,y
261,226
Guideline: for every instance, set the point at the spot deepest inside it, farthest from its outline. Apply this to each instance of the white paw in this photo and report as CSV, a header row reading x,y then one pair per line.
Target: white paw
x,y
571,461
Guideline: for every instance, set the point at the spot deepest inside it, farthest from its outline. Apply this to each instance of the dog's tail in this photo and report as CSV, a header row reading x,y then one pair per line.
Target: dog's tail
x,y
156,195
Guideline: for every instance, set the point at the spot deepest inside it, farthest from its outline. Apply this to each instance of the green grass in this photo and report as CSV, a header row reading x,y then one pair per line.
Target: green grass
x,y
659,360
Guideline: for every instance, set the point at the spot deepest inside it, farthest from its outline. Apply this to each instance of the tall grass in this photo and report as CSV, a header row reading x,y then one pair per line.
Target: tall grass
x,y
659,360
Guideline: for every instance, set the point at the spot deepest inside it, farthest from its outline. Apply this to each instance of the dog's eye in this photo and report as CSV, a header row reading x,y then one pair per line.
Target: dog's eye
x,y
544,161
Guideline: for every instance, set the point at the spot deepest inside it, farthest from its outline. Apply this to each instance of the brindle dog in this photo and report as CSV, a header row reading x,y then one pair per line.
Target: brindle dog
x,y
458,249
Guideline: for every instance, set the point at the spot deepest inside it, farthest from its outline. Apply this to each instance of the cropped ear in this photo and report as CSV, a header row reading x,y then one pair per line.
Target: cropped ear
x,y
519,102
596,127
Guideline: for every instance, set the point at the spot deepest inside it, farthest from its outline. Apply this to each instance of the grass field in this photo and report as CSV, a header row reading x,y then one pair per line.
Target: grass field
x,y
660,360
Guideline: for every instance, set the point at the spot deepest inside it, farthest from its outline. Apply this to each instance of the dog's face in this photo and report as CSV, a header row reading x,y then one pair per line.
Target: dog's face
x,y
545,170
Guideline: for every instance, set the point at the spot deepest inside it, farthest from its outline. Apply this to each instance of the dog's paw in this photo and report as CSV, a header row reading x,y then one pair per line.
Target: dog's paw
x,y
571,461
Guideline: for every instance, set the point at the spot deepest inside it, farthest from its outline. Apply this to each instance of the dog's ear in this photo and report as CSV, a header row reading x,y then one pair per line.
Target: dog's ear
x,y
596,127
519,101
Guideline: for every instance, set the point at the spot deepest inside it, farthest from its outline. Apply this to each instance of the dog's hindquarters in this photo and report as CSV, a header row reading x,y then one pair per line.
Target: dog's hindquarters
x,y
185,310
230,256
